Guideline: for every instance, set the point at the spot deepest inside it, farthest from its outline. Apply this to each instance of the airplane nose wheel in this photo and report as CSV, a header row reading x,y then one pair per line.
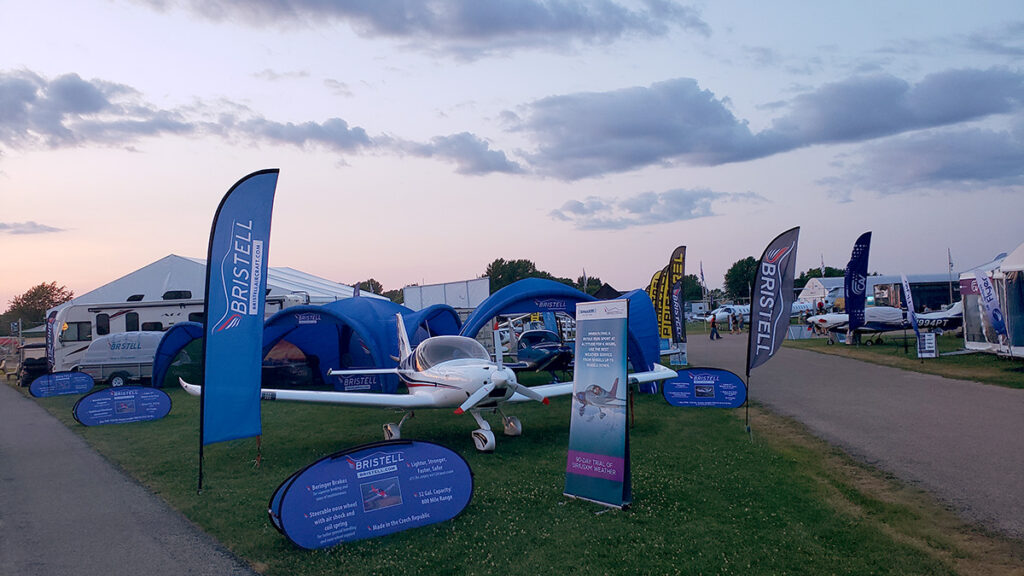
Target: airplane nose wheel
x,y
483,440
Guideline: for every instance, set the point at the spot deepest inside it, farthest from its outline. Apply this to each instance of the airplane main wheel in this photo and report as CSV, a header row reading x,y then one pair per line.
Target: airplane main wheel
x,y
879,340
513,427
829,342
392,431
869,342
484,440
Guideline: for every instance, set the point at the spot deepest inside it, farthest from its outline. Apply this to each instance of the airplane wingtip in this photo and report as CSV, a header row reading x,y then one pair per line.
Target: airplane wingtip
x,y
458,411
546,401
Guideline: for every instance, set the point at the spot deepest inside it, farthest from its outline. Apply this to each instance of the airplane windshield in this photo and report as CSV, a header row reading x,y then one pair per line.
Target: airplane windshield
x,y
439,349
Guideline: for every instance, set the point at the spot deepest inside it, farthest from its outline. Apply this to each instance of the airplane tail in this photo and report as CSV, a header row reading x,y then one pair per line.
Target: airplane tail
x,y
615,388
404,349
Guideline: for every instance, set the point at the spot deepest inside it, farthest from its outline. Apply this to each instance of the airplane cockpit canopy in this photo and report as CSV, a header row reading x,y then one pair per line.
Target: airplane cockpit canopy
x,y
534,338
433,351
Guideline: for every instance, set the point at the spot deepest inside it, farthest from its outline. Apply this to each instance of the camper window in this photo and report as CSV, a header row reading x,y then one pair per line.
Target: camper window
x,y
195,317
152,327
76,332
102,324
131,322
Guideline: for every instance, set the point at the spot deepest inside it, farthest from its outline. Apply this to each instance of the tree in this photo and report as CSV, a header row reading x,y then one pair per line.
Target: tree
x,y
805,277
504,272
397,296
593,284
31,306
691,288
740,277
371,285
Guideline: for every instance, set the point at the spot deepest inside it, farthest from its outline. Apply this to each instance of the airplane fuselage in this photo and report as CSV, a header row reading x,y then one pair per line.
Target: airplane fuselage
x,y
450,383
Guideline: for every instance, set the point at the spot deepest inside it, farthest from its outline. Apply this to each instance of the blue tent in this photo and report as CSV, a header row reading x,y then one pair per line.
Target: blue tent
x,y
350,333
540,295
175,338
355,333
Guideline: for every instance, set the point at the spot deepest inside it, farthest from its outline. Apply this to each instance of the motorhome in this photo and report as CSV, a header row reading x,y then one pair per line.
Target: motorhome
x,y
71,329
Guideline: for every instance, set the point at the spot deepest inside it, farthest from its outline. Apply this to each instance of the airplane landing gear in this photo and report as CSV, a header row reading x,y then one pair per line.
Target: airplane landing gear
x,y
483,438
393,431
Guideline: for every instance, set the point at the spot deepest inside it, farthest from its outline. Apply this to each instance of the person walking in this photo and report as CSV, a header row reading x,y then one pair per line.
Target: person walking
x,y
714,328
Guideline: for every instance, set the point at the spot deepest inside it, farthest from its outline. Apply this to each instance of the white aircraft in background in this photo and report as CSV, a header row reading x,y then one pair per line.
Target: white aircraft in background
x,y
445,372
879,319
722,313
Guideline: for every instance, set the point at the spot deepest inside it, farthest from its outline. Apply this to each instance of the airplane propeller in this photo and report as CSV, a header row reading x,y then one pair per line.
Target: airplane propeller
x,y
500,379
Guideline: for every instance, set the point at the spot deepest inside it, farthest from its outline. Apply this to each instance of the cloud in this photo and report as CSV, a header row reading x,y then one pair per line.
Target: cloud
x,y
952,160
334,133
471,154
645,208
26,228
596,133
70,111
466,27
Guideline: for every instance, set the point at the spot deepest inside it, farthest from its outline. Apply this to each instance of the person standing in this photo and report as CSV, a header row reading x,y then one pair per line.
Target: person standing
x,y
714,328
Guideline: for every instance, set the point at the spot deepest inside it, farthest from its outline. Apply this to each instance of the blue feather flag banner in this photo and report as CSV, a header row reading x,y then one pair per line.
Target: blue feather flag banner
x,y
236,286
772,300
855,282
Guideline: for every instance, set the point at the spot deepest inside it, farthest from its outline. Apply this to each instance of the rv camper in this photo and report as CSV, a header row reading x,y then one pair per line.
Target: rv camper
x,y
118,359
73,327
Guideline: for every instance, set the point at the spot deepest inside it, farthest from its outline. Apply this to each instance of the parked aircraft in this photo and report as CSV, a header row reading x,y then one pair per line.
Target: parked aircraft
x,y
722,313
445,372
539,350
879,319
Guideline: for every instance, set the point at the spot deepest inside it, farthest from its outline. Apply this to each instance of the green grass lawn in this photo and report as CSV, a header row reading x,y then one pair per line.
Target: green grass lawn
x,y
987,368
707,500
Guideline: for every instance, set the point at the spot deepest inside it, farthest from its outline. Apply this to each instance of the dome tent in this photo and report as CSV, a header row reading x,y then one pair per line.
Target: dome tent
x,y
542,295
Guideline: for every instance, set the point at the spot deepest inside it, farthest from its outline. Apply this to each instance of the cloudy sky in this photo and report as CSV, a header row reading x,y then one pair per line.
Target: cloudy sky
x,y
418,141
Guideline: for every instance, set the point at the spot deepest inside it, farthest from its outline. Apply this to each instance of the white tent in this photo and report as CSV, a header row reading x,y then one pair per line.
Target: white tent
x,y
1009,280
978,332
183,275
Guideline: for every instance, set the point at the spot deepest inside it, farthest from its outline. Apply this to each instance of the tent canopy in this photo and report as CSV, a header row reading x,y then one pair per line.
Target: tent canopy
x,y
175,338
541,295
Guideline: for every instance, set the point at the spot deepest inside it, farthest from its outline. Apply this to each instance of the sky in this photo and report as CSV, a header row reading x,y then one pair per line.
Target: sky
x,y
419,141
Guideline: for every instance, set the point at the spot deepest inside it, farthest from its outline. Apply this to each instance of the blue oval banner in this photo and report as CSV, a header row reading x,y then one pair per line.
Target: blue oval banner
x,y
370,491
706,387
60,383
122,405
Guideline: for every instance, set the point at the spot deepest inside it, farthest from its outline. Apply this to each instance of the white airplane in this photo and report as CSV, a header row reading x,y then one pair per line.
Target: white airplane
x,y
445,372
879,319
722,313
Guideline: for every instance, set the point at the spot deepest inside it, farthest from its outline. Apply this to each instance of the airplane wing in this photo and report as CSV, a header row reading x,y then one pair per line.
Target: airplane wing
x,y
562,388
404,401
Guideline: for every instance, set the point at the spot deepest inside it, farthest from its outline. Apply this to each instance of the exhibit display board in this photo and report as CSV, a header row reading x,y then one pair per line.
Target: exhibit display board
x,y
370,491
61,383
122,405
706,388
598,459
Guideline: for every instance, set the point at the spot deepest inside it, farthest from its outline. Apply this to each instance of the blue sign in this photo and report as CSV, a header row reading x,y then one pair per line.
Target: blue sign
x,y
60,383
706,387
370,491
122,405
236,285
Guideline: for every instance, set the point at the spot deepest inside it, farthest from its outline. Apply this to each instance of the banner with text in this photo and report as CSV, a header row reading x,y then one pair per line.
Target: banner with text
x,y
771,303
370,491
60,384
236,285
122,405
855,282
706,388
598,463
990,302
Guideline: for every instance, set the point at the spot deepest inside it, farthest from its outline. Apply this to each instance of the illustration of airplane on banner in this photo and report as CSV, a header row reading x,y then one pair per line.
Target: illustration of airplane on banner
x,y
446,372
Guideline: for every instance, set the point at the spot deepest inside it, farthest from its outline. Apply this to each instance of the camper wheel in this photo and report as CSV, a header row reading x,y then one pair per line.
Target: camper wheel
x,y
118,379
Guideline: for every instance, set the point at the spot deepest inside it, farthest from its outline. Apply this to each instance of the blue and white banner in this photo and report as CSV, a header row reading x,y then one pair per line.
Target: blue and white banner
x,y
371,491
990,301
911,314
855,282
772,301
598,461
60,384
706,388
122,405
236,284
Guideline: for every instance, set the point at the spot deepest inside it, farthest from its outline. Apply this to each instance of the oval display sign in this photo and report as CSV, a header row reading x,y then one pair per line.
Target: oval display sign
x,y
60,383
706,387
122,405
371,491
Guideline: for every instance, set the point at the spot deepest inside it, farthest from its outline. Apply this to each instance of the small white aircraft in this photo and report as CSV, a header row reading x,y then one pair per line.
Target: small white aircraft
x,y
877,319
445,372
722,313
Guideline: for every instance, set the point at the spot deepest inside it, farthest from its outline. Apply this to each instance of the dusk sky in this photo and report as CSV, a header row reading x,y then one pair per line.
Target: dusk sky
x,y
418,141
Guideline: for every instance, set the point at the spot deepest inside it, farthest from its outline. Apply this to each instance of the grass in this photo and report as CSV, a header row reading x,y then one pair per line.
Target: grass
x,y
707,500
987,368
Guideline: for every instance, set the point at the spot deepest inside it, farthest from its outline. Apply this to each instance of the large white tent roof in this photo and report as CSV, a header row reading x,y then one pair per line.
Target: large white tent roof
x,y
178,273
1014,261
